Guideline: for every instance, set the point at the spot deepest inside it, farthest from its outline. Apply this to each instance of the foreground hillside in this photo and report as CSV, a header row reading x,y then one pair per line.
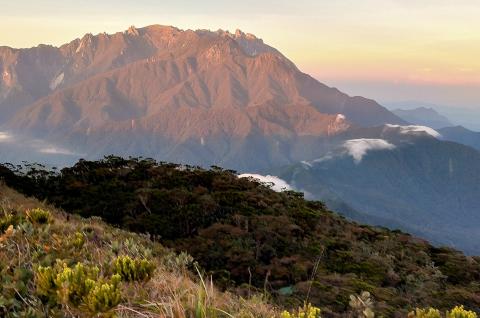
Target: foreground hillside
x,y
250,238
38,241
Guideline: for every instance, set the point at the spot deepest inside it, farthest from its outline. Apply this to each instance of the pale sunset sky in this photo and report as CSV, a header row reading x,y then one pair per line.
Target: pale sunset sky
x,y
390,50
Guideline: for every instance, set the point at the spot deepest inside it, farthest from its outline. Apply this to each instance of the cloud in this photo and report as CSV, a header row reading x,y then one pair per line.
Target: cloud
x,y
416,129
56,151
5,137
276,183
358,148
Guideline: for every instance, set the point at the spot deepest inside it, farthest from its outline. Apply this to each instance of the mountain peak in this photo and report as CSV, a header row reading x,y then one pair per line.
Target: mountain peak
x,y
132,30
171,87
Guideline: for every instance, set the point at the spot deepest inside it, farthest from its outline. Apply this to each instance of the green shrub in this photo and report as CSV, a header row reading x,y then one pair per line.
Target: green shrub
x,y
133,269
425,313
460,312
79,287
307,311
104,296
78,240
9,219
38,216
45,283
73,284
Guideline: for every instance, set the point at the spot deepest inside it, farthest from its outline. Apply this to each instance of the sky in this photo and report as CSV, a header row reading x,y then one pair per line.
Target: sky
x,y
425,51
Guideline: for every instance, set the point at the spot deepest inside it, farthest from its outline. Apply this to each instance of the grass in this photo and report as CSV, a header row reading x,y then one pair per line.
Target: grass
x,y
172,290
53,264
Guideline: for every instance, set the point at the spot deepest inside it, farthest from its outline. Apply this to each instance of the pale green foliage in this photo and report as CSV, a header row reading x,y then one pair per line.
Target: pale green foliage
x,y
176,261
79,286
460,312
307,311
78,240
45,282
73,284
425,313
362,305
38,216
104,295
133,269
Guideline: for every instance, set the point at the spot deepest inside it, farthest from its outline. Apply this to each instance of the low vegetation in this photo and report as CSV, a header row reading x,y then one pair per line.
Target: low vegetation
x,y
74,267
245,237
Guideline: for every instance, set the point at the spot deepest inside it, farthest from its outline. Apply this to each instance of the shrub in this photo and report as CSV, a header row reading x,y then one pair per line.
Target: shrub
x,y
104,296
73,284
78,240
362,305
45,283
308,311
133,269
38,216
5,222
79,286
459,312
425,313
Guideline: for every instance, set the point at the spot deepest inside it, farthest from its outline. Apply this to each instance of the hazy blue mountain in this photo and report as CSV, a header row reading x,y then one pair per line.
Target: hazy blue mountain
x,y
460,115
462,135
423,116
417,183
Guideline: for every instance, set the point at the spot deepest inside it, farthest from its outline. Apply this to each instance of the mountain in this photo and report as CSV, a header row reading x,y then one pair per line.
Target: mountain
x,y
423,116
408,180
462,135
460,115
192,96
248,238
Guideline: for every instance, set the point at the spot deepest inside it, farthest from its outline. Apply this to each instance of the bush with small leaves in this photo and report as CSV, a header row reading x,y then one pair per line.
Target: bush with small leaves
x,y
78,240
75,283
425,313
179,261
38,216
307,311
79,287
362,305
133,269
460,312
45,283
7,221
104,296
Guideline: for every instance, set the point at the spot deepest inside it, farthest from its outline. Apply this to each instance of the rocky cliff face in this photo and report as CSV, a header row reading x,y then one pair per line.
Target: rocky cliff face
x,y
161,87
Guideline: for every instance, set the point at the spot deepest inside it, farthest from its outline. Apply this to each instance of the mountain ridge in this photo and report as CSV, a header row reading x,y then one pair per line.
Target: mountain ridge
x,y
175,88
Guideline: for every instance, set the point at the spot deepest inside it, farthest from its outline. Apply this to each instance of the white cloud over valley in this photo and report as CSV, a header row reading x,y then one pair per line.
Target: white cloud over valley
x,y
4,137
276,183
416,129
358,148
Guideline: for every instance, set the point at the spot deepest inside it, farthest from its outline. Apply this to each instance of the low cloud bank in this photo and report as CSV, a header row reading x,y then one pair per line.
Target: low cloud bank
x,y
4,137
416,129
357,148
276,183
51,150
33,145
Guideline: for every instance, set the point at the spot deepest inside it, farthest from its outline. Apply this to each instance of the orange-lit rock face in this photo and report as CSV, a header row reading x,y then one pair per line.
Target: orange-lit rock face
x,y
180,85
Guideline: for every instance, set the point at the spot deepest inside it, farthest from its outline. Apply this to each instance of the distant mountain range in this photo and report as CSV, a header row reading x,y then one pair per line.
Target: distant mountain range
x,y
400,178
423,116
459,115
461,135
228,99
431,118
191,96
